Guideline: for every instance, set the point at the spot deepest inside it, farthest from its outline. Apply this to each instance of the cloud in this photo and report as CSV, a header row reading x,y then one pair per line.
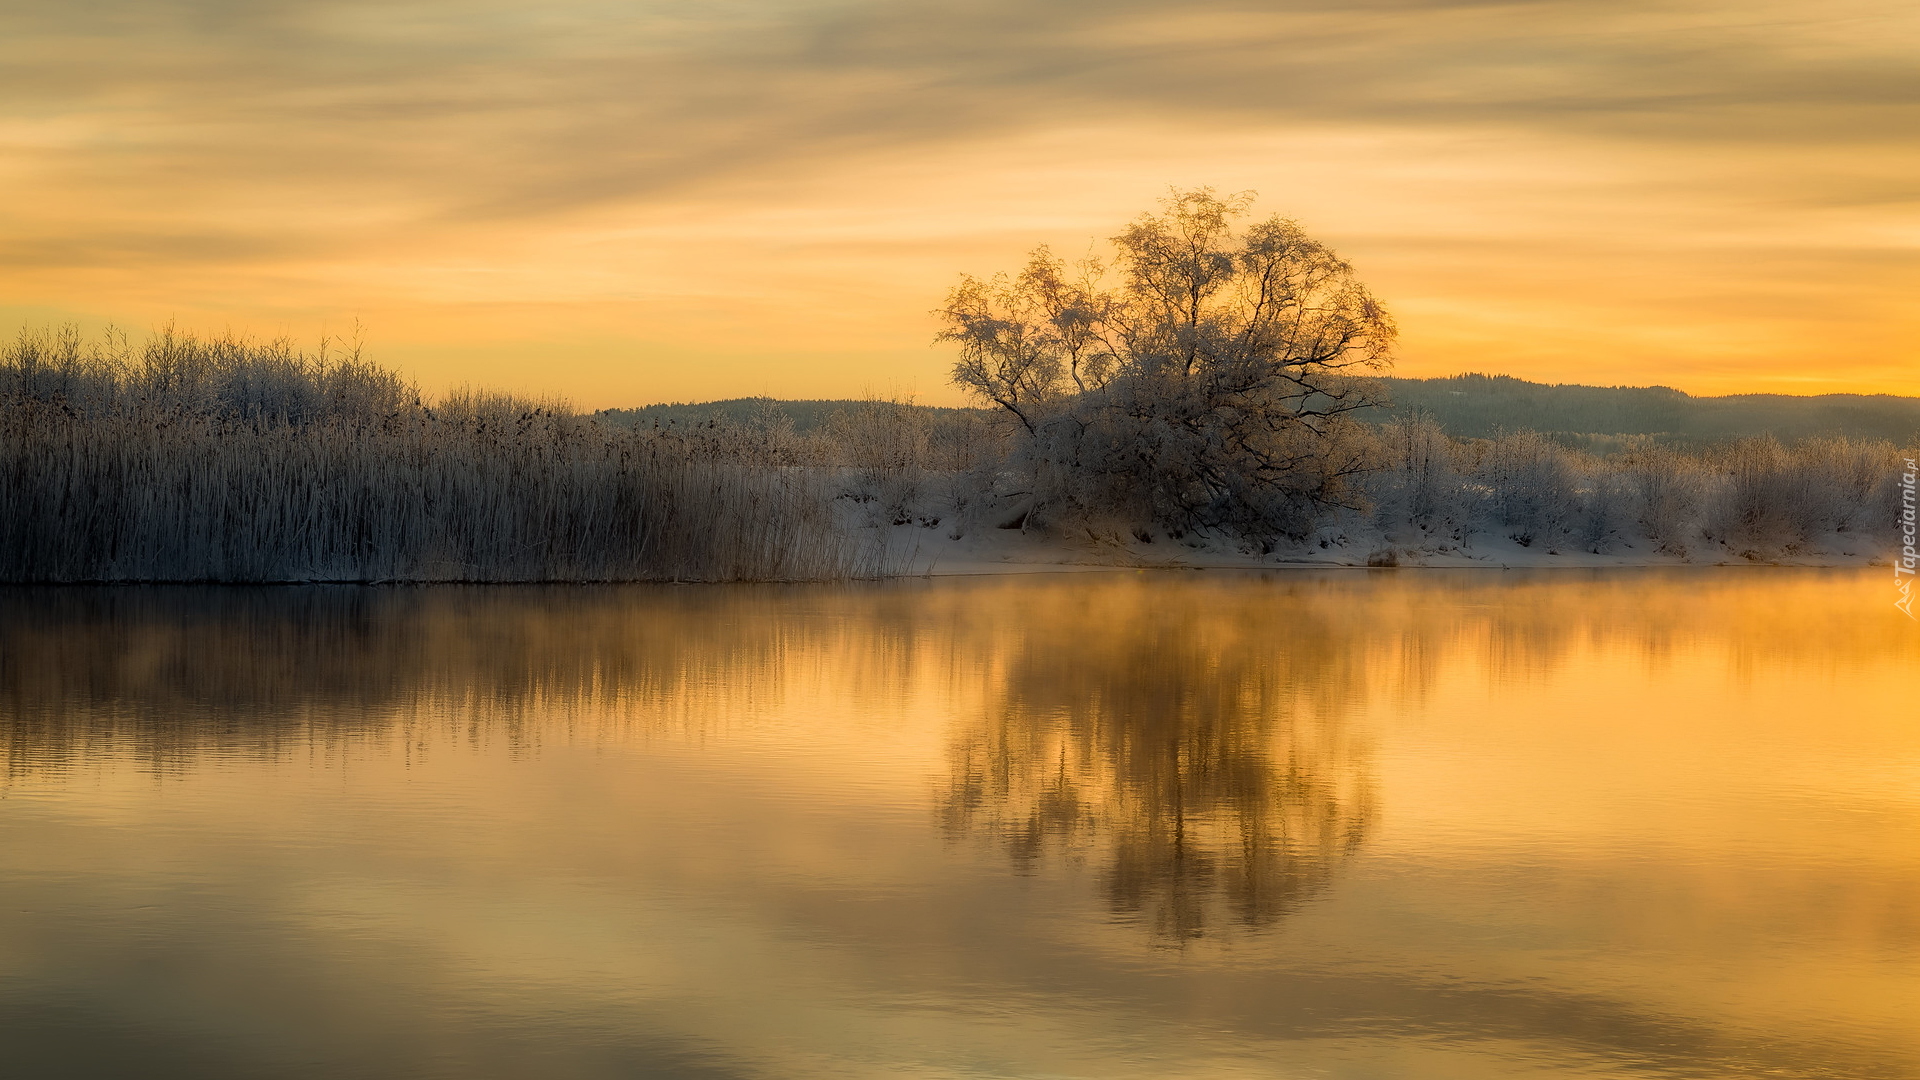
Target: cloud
x,y
288,141
485,109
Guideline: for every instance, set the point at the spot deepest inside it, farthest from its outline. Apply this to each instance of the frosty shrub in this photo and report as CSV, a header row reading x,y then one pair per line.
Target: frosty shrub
x,y
884,445
1532,487
1667,489
1773,499
1417,483
1605,515
1848,482
1762,504
966,452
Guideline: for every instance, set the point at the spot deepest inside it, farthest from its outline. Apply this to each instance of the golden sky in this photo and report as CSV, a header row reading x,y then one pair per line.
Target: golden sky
x,y
628,202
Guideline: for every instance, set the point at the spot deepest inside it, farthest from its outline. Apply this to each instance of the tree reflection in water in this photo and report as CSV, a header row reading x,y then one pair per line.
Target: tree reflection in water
x,y
1190,737
1198,762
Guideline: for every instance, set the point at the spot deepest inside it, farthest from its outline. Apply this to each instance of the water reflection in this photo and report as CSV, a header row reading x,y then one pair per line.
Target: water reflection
x,y
1191,746
1398,825
1112,666
1196,756
170,673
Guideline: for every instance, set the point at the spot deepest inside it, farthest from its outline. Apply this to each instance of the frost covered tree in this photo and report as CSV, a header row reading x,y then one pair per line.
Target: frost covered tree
x,y
1201,378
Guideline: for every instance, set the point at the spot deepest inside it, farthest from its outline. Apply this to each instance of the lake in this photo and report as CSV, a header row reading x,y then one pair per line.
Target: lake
x,y
1431,824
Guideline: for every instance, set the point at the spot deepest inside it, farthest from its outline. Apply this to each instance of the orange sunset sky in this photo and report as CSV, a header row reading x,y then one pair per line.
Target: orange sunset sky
x,y
630,202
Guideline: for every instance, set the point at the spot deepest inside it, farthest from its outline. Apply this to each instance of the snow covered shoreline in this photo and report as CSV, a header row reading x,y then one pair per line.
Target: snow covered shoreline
x,y
917,552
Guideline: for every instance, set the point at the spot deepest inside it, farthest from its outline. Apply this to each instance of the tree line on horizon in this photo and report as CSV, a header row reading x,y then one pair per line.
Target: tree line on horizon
x,y
1478,406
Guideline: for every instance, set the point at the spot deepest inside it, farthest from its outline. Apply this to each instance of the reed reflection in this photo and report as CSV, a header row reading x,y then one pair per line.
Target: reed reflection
x,y
1190,745
171,673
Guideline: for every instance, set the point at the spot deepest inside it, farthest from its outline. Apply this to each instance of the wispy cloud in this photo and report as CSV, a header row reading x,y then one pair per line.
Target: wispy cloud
x,y
147,134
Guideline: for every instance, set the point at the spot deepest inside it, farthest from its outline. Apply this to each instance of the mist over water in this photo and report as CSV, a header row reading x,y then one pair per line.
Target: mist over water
x,y
1351,824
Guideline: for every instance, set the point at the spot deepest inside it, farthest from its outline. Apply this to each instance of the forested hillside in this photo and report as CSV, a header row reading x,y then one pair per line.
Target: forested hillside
x,y
1480,406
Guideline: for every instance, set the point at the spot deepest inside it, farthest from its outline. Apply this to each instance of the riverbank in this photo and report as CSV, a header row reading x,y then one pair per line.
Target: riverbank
x,y
915,551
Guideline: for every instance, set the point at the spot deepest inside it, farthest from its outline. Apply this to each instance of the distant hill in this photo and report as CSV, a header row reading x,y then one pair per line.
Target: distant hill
x,y
1479,406
1476,406
806,415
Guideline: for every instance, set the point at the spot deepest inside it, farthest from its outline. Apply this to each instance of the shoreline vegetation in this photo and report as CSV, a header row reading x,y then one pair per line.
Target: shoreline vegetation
x,y
1206,393
221,460
224,460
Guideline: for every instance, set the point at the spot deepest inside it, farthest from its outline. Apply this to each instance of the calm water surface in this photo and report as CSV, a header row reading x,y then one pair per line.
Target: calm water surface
x,y
1382,824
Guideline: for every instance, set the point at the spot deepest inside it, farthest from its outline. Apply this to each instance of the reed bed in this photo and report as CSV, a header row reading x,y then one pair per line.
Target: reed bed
x,y
1753,498
226,460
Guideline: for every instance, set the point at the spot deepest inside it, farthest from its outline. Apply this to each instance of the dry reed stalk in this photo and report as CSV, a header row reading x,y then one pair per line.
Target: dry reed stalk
x,y
228,461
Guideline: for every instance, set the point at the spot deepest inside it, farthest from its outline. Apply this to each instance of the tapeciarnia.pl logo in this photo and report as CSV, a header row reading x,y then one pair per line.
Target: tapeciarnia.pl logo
x,y
1904,566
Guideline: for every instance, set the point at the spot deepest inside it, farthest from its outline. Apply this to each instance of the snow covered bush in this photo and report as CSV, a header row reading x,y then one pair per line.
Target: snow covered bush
x,y
1532,487
1417,487
1774,499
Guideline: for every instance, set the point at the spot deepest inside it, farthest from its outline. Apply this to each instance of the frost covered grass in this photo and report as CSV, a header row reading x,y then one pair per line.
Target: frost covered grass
x,y
972,488
226,460
1751,498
